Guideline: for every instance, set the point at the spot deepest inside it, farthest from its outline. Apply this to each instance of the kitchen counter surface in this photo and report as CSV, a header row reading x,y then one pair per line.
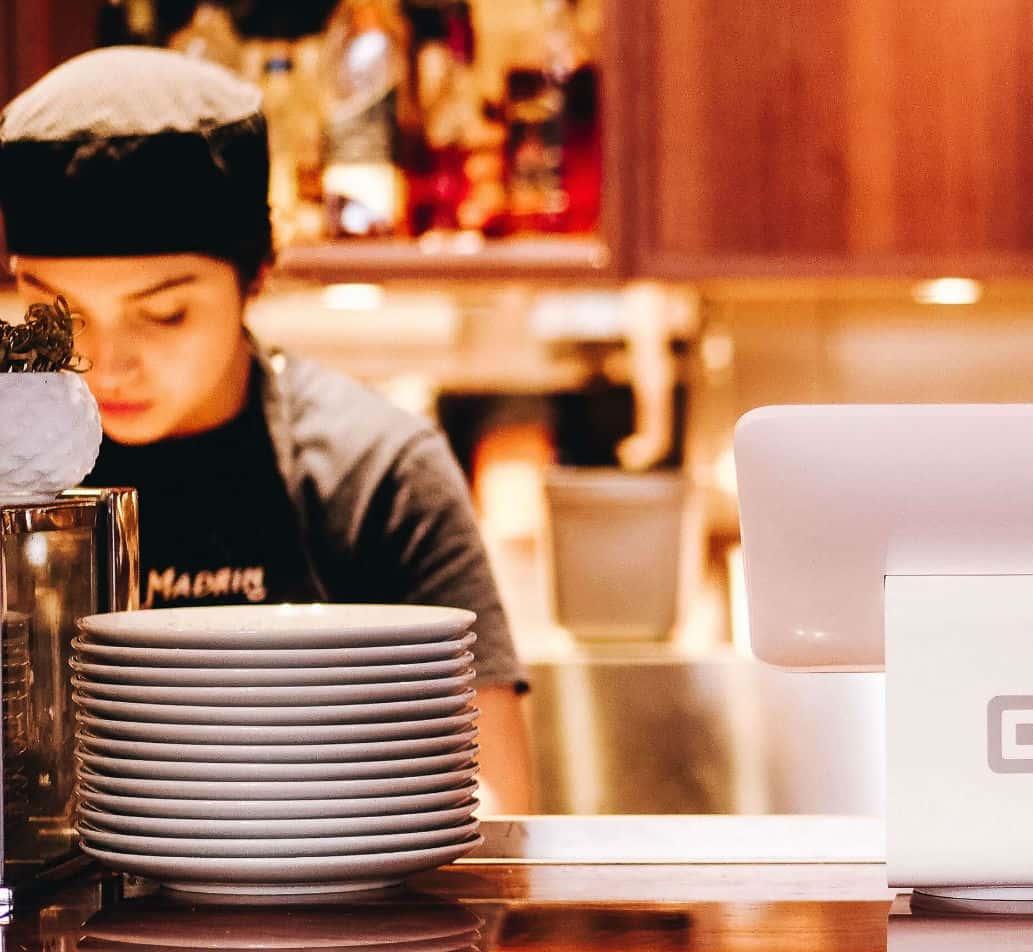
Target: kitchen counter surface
x,y
721,884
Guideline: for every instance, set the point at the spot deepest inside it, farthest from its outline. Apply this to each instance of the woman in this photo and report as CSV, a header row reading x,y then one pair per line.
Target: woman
x,y
134,182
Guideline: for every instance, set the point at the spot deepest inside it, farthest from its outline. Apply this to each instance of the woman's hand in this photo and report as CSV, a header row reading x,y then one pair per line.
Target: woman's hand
x,y
505,757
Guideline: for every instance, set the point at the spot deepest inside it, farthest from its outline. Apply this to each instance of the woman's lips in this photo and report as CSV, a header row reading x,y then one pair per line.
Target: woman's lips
x,y
122,407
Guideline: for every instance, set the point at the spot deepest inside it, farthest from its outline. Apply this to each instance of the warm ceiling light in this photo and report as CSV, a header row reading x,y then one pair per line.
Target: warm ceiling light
x,y
948,291
353,297
718,351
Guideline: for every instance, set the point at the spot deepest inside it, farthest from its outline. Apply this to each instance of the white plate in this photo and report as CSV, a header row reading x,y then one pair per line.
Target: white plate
x,y
244,677
335,714
329,873
302,694
244,627
319,826
274,846
300,754
273,809
236,734
358,925
275,657
277,789
193,770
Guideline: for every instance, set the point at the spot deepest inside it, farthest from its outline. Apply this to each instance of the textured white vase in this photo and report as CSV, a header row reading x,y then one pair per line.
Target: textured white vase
x,y
49,434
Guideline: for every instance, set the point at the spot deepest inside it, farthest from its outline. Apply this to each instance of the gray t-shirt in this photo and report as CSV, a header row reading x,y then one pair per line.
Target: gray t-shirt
x,y
384,509
318,490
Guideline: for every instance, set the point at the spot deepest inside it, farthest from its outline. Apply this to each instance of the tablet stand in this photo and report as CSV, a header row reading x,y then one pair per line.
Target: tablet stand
x,y
959,742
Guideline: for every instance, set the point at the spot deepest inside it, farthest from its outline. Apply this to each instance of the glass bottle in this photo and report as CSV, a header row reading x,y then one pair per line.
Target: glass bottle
x,y
278,106
553,155
452,151
309,124
364,57
210,35
114,25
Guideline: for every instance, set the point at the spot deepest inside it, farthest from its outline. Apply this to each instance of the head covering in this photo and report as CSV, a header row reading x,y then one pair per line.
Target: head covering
x,y
137,151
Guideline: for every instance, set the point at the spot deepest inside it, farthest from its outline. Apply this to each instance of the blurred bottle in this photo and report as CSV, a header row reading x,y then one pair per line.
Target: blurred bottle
x,y
280,114
115,25
209,35
282,19
452,153
364,57
310,121
553,147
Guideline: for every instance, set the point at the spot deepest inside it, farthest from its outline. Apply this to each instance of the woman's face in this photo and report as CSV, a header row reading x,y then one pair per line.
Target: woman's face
x,y
163,334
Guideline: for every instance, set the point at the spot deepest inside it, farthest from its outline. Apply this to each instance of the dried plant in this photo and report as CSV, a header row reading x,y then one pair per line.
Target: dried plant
x,y
43,343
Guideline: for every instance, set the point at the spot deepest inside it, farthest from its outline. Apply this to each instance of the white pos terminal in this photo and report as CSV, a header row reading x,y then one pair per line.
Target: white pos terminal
x,y
901,537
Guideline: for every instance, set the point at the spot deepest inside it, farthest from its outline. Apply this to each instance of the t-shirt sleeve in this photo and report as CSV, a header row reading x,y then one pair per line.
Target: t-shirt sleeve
x,y
421,527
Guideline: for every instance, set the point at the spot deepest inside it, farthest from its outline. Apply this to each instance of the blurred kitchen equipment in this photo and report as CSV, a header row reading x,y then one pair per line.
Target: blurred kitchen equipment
x,y
75,556
615,540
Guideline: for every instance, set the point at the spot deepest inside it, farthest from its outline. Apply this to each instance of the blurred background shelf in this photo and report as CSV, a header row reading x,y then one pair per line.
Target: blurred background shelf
x,y
741,140
458,256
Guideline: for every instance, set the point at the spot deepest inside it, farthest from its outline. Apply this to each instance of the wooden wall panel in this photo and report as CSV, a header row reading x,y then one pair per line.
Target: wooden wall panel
x,y
40,34
6,50
833,133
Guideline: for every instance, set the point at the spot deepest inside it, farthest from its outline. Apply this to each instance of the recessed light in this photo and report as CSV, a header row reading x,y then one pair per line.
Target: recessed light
x,y
353,297
948,291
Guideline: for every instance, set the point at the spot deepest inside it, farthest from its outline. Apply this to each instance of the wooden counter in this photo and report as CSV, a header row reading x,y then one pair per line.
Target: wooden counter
x,y
828,895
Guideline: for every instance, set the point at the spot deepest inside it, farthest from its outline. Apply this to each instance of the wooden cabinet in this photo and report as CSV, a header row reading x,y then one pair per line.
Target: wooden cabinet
x,y
36,35
833,136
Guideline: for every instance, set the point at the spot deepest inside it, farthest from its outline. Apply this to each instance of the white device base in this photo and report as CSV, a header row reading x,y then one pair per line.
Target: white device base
x,y
972,901
959,741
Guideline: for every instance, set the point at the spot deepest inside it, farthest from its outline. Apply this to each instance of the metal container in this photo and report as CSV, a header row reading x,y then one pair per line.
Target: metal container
x,y
58,561
615,540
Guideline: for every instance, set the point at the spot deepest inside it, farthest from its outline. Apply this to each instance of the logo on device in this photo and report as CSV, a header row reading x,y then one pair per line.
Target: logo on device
x,y
1009,729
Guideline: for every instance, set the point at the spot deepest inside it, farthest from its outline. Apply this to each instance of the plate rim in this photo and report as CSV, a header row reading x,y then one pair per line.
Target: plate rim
x,y
283,732
470,752
337,673
190,713
287,623
281,657
466,827
467,807
375,804
296,790
265,861
450,685
247,751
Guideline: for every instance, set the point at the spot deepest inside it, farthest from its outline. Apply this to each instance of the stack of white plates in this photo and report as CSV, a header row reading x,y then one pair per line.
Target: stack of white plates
x,y
276,749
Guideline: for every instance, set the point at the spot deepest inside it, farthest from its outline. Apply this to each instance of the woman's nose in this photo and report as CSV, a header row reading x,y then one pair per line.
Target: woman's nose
x,y
112,358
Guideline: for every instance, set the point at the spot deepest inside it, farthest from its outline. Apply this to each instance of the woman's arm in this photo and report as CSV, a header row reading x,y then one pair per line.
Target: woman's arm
x,y
421,539
505,755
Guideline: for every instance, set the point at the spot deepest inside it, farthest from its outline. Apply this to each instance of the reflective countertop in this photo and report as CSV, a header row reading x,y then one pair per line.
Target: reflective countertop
x,y
800,884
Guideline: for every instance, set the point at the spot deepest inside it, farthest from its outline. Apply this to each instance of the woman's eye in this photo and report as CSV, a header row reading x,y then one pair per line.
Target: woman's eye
x,y
173,317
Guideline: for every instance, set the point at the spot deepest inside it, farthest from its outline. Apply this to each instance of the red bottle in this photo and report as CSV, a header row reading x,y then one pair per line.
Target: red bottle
x,y
553,142
452,185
